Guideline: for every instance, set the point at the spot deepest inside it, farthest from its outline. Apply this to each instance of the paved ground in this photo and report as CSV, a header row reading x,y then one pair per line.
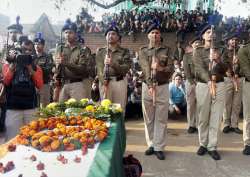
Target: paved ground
x,y
181,159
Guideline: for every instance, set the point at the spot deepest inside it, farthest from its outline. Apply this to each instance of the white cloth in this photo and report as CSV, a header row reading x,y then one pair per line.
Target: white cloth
x,y
53,167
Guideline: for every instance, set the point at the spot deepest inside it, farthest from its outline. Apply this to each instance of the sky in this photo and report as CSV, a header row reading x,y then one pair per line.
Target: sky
x,y
30,10
235,8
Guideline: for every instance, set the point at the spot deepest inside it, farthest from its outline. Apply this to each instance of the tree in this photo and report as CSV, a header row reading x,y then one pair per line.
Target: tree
x,y
58,3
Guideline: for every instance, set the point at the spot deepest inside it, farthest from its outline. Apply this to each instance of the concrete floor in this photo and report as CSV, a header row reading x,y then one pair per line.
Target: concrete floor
x,y
181,159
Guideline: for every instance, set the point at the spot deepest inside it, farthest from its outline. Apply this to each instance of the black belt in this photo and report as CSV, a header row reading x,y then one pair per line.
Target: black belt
x,y
217,81
72,80
160,83
116,78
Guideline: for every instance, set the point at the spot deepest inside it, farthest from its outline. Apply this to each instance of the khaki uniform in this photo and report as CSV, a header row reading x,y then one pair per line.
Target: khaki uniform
x,y
76,69
209,109
244,61
155,118
190,90
120,65
45,61
233,97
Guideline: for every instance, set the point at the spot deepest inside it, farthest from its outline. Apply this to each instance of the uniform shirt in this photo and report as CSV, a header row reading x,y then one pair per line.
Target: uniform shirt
x,y
163,54
227,58
244,60
201,66
76,61
45,61
120,62
188,67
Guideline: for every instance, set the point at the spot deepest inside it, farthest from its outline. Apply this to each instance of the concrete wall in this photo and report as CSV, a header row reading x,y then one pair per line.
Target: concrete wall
x,y
134,43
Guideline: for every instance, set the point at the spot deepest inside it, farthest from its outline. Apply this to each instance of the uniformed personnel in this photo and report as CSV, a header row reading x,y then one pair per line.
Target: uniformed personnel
x,y
118,62
233,84
210,102
155,116
14,31
244,61
45,61
190,85
74,61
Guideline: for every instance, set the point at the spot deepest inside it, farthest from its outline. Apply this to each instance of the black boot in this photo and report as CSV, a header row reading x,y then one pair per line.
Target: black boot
x,y
237,130
149,151
246,150
160,155
201,151
214,154
226,129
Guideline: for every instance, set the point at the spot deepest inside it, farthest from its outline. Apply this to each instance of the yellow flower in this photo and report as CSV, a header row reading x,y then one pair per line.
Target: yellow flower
x,y
106,103
117,108
84,100
70,101
52,105
90,108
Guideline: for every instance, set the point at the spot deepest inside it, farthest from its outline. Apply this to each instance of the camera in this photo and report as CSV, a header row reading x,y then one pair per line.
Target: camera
x,y
24,60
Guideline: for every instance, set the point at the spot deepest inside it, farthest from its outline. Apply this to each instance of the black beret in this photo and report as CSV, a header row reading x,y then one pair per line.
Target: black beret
x,y
16,27
229,36
204,29
69,26
39,39
153,27
112,28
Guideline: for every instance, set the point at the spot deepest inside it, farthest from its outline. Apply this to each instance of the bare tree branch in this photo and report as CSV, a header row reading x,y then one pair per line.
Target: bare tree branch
x,y
116,2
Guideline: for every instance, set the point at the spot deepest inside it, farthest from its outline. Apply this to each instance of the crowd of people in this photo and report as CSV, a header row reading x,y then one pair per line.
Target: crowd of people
x,y
181,22
196,80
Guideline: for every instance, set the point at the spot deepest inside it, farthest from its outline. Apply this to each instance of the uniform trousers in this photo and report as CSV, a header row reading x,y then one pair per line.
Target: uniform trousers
x,y
210,112
155,118
233,100
246,112
192,117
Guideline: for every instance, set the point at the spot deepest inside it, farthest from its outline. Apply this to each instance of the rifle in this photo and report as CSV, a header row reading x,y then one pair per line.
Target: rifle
x,y
106,74
153,76
59,76
235,77
211,65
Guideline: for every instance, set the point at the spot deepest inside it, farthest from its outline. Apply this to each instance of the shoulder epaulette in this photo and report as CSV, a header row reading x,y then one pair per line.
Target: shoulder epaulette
x,y
143,47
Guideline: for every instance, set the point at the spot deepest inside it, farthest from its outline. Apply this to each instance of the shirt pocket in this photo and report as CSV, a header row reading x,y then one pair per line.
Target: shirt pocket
x,y
163,60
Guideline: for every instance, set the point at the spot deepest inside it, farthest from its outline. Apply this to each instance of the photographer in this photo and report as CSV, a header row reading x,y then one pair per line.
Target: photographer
x,y
21,78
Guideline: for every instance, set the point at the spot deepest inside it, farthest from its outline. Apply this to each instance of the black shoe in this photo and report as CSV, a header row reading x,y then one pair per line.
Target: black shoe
x,y
2,129
237,130
191,130
149,151
160,155
202,150
214,154
226,129
246,150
